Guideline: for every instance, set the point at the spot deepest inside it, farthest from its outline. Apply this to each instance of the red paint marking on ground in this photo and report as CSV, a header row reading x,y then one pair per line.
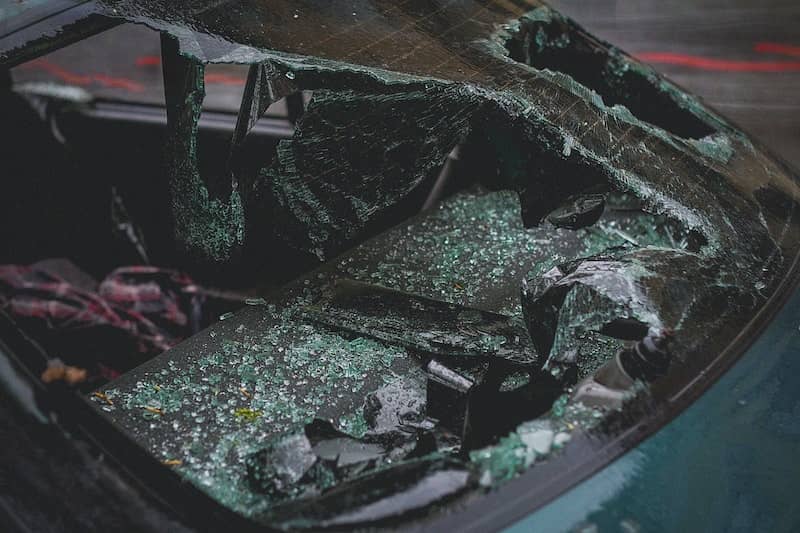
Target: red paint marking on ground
x,y
58,72
148,61
223,79
118,83
777,48
83,79
719,65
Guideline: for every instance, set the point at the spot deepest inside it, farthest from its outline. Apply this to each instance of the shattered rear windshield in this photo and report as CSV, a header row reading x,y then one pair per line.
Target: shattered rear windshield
x,y
488,245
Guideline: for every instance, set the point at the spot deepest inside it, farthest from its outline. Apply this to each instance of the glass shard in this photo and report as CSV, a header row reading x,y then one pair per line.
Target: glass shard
x,y
578,211
375,497
620,293
422,324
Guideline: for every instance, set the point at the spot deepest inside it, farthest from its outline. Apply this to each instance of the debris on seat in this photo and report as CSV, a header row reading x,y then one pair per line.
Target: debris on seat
x,y
132,315
57,371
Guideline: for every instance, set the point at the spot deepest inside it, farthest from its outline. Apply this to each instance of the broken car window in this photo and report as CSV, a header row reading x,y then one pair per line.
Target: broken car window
x,y
595,237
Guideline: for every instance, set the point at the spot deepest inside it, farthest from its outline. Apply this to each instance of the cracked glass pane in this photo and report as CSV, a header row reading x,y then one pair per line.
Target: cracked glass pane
x,y
594,239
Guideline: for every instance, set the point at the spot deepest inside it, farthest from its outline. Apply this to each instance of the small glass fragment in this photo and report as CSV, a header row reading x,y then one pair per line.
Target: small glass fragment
x,y
399,403
537,436
245,414
103,397
281,464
